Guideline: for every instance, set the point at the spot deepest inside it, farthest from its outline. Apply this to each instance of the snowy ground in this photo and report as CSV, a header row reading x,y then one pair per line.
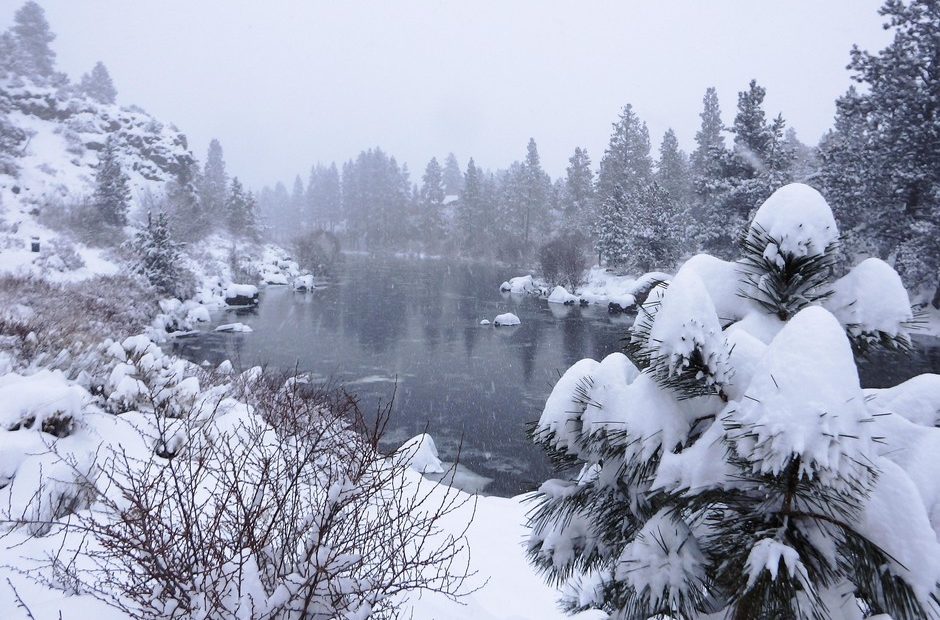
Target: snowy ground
x,y
504,586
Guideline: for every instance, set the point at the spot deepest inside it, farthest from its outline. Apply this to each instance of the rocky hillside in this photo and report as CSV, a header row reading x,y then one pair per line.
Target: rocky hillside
x,y
63,134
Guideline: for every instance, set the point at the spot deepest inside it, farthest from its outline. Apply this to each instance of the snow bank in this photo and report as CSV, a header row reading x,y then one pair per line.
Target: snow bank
x,y
507,319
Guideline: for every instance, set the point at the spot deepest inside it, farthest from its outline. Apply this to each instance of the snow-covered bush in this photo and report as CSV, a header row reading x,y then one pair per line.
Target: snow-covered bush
x,y
733,465
144,378
278,507
59,254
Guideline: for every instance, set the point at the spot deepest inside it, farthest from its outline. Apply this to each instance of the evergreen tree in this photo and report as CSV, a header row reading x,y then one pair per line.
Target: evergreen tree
x,y
892,173
214,186
627,159
752,136
97,85
626,165
805,164
578,208
330,196
471,222
536,189
298,201
759,162
730,468
672,171
159,256
32,36
189,217
241,217
849,180
646,230
452,177
11,138
8,54
431,221
313,208
709,164
112,195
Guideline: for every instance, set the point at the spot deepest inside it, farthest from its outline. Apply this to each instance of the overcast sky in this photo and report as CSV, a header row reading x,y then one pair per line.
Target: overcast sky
x,y
285,84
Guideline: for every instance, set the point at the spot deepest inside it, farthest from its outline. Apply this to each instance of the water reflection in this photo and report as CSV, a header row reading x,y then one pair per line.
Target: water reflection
x,y
417,323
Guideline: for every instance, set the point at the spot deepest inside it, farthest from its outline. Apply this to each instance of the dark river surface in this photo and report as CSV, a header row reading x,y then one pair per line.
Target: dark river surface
x,y
411,328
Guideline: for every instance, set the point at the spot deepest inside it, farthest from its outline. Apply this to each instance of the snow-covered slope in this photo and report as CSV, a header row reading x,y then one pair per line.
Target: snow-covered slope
x,y
65,133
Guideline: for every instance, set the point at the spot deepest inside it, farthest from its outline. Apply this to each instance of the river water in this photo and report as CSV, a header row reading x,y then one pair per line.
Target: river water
x,y
411,328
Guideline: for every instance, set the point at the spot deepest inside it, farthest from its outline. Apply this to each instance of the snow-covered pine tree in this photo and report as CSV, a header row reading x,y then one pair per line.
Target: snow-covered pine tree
x,y
805,163
313,204
626,164
578,209
190,219
240,217
471,223
32,36
610,232
892,126
653,222
709,163
330,203
431,220
452,177
674,175
848,179
159,256
97,84
296,218
535,200
12,137
214,186
758,163
733,467
112,195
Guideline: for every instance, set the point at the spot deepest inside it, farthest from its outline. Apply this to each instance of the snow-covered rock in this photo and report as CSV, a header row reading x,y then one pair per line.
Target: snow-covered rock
x,y
273,278
241,295
304,283
234,327
420,452
485,322
521,285
506,319
560,295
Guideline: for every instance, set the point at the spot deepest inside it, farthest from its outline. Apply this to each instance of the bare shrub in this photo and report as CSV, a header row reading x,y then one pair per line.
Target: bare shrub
x,y
60,325
288,511
563,261
316,251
